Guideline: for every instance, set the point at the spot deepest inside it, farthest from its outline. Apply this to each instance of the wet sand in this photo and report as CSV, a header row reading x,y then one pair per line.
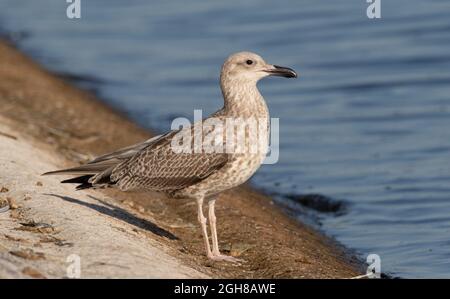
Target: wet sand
x,y
71,126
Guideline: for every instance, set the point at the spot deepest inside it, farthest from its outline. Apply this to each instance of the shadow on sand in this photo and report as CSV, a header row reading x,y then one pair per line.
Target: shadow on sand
x,y
121,214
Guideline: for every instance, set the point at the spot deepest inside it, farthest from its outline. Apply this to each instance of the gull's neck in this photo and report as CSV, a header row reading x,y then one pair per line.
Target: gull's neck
x,y
243,99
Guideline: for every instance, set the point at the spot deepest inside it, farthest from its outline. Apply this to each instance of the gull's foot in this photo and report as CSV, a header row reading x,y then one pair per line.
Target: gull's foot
x,y
225,258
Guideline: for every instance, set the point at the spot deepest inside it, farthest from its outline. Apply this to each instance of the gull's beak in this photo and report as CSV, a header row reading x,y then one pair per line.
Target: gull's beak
x,y
281,71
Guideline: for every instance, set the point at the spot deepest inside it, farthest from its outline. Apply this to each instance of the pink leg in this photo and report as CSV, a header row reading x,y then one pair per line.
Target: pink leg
x,y
202,220
215,242
212,223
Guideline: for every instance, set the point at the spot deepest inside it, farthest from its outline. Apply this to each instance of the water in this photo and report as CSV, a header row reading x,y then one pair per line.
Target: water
x,y
367,122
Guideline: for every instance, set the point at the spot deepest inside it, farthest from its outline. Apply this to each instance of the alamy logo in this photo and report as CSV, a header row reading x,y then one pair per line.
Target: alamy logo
x,y
74,268
73,11
374,268
227,135
374,9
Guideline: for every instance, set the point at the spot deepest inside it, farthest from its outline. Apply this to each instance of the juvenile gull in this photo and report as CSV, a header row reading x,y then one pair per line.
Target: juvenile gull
x,y
199,175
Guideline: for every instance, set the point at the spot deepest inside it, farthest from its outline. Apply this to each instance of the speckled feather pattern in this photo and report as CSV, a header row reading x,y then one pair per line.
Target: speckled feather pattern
x,y
158,167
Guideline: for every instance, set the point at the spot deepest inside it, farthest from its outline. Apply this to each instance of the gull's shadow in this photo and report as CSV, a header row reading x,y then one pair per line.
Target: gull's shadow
x,y
121,214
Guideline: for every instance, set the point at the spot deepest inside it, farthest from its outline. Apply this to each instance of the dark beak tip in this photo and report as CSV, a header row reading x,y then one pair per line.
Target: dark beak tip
x,y
284,72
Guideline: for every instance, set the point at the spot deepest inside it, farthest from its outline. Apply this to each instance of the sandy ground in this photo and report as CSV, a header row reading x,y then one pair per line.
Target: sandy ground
x,y
50,222
45,123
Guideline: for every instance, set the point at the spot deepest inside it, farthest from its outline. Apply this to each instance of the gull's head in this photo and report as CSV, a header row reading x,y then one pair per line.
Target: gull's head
x,y
250,67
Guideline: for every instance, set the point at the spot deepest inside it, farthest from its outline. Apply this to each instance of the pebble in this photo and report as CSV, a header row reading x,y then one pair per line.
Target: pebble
x,y
12,203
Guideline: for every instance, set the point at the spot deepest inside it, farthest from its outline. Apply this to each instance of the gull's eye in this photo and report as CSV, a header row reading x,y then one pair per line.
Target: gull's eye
x,y
249,62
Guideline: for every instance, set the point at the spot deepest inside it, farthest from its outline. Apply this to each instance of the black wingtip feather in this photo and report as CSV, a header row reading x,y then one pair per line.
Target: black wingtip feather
x,y
83,186
82,180
78,180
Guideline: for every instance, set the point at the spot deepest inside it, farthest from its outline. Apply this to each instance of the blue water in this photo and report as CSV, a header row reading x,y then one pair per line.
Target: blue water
x,y
368,122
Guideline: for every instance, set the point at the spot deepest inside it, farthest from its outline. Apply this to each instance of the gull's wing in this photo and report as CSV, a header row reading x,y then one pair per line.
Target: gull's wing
x,y
158,167
149,165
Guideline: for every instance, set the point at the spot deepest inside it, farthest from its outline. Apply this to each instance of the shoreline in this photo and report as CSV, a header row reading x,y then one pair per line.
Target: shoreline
x,y
71,126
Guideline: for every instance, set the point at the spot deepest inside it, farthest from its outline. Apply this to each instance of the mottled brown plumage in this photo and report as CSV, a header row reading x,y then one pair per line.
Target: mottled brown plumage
x,y
154,165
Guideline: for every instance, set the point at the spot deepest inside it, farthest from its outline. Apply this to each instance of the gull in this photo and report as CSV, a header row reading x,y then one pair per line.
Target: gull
x,y
202,174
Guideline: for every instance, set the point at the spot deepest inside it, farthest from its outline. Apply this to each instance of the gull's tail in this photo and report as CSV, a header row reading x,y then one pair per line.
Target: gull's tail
x,y
83,182
89,175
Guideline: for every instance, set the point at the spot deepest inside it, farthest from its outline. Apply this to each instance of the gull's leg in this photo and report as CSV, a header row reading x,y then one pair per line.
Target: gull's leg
x,y
202,220
215,250
212,223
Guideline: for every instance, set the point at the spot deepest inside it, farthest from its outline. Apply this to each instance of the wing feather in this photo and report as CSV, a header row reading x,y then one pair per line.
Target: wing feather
x,y
158,167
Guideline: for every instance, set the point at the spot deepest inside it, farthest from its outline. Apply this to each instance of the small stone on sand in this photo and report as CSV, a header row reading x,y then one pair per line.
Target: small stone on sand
x,y
12,203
